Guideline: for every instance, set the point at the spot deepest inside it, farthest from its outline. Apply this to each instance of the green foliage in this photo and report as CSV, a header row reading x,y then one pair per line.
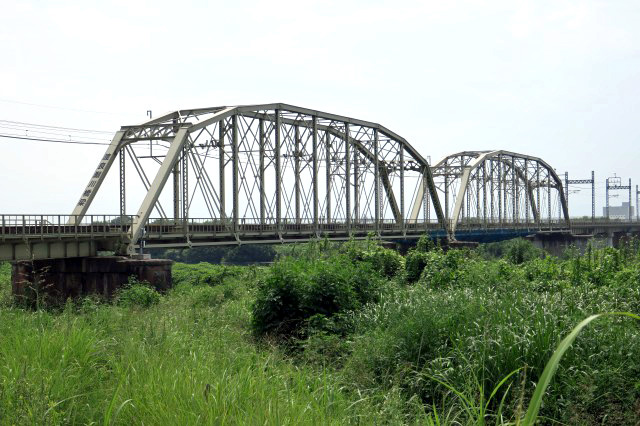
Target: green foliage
x,y
210,297
516,251
137,294
452,341
295,290
203,273
443,269
416,261
466,345
552,366
175,364
389,263
5,284
419,257
425,244
250,253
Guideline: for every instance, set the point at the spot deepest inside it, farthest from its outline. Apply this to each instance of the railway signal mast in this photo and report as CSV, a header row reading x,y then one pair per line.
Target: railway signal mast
x,y
592,181
614,183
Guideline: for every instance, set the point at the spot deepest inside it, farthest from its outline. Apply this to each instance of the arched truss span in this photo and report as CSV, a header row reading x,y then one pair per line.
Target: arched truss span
x,y
269,165
498,188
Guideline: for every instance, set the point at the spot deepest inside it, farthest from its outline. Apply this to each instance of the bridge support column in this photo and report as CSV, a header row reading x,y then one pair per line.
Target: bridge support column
x,y
59,279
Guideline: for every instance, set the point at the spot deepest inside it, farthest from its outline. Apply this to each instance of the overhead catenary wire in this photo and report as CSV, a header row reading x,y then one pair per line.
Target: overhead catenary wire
x,y
74,142
23,124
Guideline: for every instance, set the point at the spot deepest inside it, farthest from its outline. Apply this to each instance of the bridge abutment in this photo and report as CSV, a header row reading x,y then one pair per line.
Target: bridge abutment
x,y
59,279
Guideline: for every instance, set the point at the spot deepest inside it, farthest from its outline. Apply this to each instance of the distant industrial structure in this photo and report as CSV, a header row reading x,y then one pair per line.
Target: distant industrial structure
x,y
624,211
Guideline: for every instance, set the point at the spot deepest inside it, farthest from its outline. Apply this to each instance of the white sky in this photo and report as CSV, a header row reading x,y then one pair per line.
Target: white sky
x,y
555,79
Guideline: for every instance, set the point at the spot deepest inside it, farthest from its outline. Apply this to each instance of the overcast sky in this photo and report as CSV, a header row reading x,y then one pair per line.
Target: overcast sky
x,y
555,79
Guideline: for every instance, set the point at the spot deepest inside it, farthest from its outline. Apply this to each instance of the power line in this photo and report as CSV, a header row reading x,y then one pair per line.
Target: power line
x,y
52,140
36,132
46,126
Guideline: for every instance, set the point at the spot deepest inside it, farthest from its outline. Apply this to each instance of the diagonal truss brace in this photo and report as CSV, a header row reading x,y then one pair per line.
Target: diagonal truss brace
x,y
96,180
166,168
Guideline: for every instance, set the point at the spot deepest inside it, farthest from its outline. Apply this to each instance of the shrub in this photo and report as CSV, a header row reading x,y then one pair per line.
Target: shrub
x,y
441,268
519,250
386,262
425,244
295,290
137,294
415,262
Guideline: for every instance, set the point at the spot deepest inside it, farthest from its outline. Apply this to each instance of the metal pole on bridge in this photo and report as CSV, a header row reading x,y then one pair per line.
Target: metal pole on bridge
x,y
630,199
593,196
607,197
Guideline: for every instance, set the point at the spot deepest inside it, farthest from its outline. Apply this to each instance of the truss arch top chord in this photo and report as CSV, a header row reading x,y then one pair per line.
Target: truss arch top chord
x,y
277,166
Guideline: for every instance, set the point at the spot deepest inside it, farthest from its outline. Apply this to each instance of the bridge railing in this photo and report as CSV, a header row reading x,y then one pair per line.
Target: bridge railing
x,y
157,226
33,226
473,223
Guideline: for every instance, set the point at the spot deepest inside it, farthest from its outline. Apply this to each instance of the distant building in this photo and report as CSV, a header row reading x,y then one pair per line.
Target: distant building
x,y
619,212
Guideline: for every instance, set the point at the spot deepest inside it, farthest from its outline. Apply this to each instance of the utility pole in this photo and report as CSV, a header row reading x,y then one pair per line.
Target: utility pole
x,y
637,212
592,181
616,183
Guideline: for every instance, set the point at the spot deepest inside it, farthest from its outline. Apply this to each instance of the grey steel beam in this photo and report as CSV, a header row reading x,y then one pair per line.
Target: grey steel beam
x,y
172,156
356,188
376,177
143,177
263,190
278,171
328,172
296,166
347,175
185,186
235,170
221,166
538,205
96,179
123,184
402,217
176,186
384,172
315,176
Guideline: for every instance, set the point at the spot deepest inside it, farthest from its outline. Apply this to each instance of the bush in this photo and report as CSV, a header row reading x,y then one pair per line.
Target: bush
x,y
441,268
137,294
415,262
386,262
295,290
516,251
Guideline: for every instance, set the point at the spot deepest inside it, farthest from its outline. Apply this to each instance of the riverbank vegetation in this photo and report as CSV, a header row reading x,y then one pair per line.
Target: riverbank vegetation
x,y
335,334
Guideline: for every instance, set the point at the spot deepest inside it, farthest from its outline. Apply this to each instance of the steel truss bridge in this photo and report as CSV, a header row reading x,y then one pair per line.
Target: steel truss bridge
x,y
280,173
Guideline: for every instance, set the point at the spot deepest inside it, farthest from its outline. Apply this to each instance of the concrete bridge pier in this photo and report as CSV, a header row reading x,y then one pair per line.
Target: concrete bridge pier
x,y
59,279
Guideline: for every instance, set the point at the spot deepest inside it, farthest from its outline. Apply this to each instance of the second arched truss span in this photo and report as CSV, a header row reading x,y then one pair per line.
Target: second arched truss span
x,y
484,189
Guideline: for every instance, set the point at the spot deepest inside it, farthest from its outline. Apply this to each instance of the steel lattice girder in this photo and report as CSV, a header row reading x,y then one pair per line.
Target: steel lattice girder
x,y
273,158
514,179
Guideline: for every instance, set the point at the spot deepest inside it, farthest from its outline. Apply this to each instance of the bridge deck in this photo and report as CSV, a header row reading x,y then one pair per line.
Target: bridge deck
x,y
55,236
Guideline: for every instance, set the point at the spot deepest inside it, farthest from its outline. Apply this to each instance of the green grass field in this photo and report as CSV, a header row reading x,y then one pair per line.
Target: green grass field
x,y
352,334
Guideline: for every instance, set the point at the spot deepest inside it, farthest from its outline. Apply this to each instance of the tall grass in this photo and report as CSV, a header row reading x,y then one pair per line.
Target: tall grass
x,y
178,362
464,338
